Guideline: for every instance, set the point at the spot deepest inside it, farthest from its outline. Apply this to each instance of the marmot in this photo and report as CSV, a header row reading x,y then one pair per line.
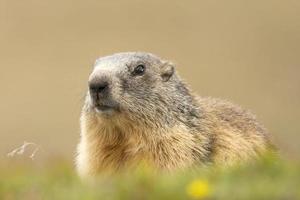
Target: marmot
x,y
138,109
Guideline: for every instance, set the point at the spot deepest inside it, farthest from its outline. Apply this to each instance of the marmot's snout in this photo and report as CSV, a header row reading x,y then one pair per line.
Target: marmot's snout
x,y
100,91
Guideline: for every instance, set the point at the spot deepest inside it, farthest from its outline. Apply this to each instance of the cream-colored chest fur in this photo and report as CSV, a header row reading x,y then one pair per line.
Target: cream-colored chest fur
x,y
111,148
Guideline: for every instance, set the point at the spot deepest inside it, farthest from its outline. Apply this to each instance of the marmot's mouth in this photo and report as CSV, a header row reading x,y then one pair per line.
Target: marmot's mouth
x,y
102,108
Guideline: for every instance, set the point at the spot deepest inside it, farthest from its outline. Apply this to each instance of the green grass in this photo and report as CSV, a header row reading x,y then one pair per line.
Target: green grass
x,y
266,179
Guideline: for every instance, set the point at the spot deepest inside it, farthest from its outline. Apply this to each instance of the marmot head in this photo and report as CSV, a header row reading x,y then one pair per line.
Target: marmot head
x,y
137,85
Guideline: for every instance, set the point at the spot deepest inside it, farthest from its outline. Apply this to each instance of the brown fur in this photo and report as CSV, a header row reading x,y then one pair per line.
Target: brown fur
x,y
215,131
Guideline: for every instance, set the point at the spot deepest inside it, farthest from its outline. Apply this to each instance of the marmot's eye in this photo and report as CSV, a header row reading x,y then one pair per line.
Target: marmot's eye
x,y
139,70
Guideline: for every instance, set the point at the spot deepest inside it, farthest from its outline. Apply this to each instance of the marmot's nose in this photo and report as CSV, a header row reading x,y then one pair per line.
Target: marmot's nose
x,y
98,87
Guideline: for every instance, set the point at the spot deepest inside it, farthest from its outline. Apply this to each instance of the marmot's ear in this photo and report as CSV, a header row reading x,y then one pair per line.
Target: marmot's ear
x,y
167,70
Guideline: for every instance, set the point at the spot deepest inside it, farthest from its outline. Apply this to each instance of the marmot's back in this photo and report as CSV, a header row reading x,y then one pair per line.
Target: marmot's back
x,y
138,108
236,134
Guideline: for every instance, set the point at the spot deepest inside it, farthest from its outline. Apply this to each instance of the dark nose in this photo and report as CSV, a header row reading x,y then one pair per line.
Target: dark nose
x,y
98,88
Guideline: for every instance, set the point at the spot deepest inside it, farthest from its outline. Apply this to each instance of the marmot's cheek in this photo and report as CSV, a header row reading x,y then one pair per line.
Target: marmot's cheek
x,y
117,94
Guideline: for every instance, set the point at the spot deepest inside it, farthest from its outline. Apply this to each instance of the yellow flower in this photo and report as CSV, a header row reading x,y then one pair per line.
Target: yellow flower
x,y
198,189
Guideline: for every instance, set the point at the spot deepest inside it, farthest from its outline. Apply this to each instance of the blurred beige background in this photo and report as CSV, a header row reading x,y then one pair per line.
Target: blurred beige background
x,y
244,51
